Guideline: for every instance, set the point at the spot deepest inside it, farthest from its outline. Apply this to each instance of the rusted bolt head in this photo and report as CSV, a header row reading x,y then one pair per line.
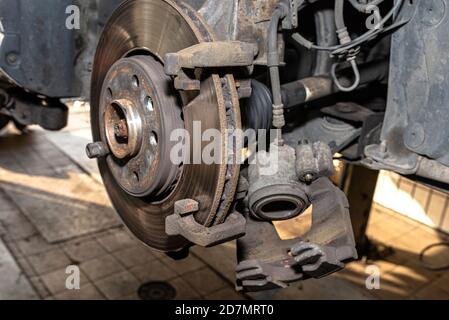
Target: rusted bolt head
x,y
121,129
96,150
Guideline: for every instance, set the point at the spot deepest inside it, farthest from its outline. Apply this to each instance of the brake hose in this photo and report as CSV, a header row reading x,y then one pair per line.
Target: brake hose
x,y
273,64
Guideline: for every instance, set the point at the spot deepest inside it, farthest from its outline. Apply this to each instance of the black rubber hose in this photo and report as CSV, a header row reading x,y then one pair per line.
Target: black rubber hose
x,y
273,56
309,89
339,14
256,111
326,36
273,65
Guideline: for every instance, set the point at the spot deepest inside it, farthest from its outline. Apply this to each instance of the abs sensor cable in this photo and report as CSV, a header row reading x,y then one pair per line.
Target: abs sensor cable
x,y
365,7
339,49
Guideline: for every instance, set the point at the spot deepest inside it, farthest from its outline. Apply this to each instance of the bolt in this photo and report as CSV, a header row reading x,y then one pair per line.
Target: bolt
x,y
415,136
97,150
308,177
12,58
121,129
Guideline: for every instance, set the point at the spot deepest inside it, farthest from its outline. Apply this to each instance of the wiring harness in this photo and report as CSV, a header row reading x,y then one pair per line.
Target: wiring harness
x,y
347,50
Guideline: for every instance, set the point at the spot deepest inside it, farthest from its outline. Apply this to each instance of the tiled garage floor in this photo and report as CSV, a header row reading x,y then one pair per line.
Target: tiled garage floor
x,y
51,169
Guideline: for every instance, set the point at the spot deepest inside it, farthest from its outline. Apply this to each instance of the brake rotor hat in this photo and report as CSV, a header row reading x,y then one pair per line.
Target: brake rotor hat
x,y
139,117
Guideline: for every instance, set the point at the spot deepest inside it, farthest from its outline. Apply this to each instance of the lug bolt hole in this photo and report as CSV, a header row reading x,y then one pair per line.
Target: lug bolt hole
x,y
109,94
135,82
153,139
149,103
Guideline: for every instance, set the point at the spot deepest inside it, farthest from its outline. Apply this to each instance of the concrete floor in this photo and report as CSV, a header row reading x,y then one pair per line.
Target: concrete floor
x,y
55,213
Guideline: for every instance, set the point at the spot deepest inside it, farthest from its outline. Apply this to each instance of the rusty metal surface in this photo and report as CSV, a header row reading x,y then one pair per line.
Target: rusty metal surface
x,y
264,261
211,54
267,262
221,16
313,160
233,228
230,105
253,20
244,20
145,24
141,111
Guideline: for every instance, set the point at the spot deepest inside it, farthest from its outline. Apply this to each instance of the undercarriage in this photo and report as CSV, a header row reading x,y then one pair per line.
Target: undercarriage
x,y
214,120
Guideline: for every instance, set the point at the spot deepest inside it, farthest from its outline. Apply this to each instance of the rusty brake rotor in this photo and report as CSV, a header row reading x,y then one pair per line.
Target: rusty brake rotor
x,y
134,108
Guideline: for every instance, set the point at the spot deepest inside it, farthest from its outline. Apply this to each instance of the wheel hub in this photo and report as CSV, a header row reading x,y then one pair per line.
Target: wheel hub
x,y
132,126
123,125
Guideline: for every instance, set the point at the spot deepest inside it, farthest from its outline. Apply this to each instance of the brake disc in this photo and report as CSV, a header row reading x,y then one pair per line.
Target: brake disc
x,y
134,108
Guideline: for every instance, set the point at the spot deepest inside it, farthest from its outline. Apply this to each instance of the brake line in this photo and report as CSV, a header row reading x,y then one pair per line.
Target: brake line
x,y
351,56
365,8
273,65
339,49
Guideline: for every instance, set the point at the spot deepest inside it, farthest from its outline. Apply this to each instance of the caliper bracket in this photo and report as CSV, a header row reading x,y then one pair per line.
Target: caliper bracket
x,y
185,225
267,262
216,54
211,55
